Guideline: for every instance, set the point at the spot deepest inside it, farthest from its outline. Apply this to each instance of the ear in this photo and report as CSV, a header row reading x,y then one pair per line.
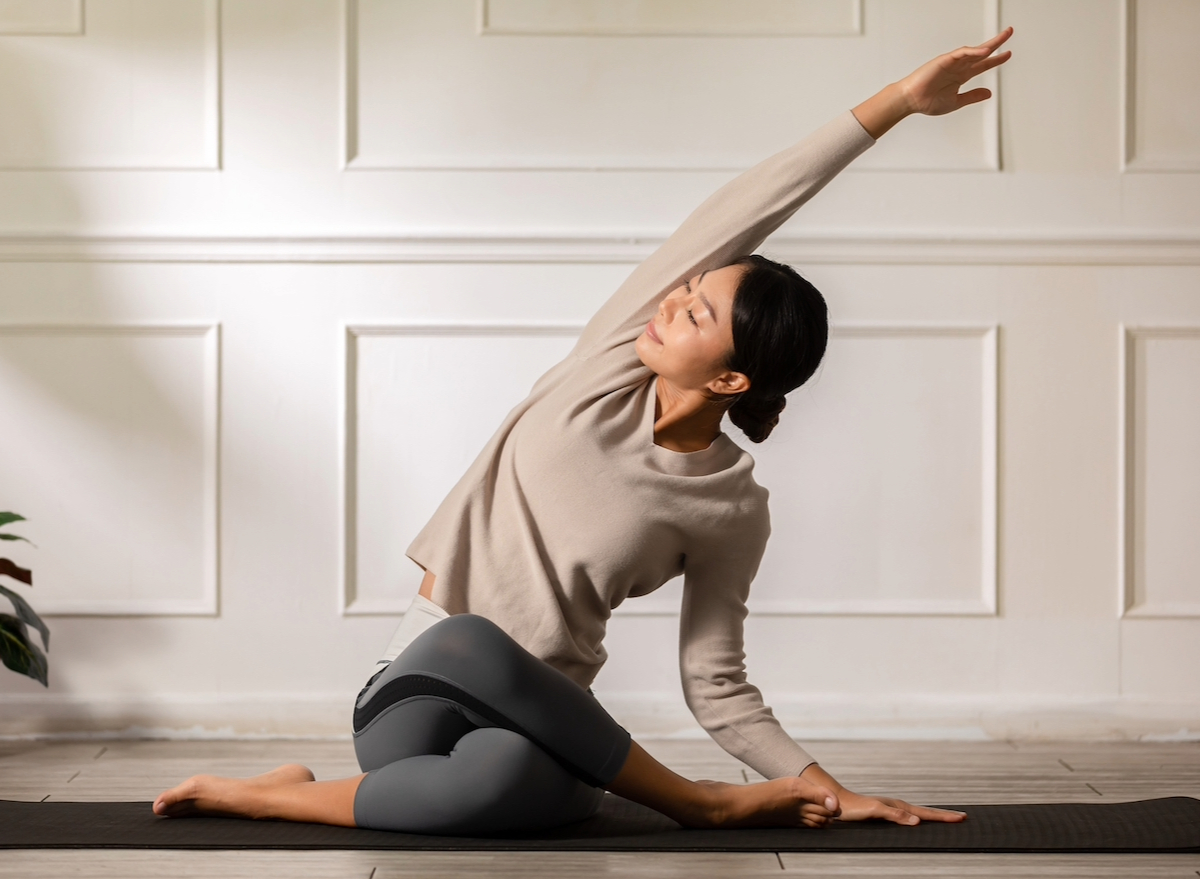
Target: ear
x,y
729,382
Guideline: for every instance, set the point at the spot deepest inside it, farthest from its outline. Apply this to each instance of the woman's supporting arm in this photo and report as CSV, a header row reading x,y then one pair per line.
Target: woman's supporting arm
x,y
933,90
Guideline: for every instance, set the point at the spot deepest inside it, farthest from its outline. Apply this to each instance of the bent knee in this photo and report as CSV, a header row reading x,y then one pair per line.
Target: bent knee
x,y
464,636
493,781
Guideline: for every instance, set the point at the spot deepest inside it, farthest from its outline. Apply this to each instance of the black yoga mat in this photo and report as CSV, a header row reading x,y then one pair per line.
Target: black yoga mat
x,y
1165,825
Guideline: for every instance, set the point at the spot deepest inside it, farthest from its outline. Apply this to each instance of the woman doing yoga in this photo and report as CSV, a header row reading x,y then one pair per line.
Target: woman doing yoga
x,y
610,479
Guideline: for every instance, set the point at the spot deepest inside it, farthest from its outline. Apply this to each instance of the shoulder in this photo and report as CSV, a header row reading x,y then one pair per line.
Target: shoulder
x,y
743,502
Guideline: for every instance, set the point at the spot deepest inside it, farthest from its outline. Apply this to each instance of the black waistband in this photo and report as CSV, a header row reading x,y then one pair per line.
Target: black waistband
x,y
407,686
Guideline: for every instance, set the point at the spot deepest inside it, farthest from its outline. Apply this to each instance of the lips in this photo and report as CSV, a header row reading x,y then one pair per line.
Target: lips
x,y
651,332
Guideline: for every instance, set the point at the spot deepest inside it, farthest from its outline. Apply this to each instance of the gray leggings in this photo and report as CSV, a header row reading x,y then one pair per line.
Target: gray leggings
x,y
467,733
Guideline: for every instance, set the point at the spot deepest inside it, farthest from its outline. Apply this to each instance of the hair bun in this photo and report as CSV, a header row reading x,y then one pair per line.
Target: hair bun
x,y
757,416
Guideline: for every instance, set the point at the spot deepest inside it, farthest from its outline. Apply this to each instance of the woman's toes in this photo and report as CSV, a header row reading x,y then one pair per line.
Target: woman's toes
x,y
179,800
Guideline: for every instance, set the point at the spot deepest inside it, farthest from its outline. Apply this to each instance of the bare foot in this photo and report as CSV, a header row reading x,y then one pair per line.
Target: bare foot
x,y
214,795
289,773
783,802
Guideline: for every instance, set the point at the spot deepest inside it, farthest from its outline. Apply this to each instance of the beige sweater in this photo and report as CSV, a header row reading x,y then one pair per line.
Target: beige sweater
x,y
571,508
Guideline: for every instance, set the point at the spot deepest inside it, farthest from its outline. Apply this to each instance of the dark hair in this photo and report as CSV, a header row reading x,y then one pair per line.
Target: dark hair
x,y
780,329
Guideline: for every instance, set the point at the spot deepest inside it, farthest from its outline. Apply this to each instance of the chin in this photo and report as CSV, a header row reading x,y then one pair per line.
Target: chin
x,y
645,351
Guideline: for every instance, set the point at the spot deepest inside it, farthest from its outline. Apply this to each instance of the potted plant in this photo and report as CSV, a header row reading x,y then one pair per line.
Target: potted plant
x,y
17,649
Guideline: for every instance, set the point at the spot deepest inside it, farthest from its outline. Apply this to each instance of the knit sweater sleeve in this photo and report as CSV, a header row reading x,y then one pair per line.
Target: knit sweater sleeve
x,y
712,659
730,224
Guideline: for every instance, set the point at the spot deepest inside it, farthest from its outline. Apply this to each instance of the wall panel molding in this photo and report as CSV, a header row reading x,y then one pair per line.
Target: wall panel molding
x,y
983,604
674,18
206,603
1137,154
72,143
349,601
42,17
983,153
1135,588
849,247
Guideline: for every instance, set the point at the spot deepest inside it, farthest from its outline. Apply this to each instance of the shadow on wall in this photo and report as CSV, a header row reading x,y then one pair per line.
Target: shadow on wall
x,y
103,434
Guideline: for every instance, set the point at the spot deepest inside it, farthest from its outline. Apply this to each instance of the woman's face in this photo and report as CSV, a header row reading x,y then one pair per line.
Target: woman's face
x,y
690,338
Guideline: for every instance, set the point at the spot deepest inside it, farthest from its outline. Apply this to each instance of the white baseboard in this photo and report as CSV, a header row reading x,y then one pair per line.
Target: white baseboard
x,y
807,718
938,718
177,716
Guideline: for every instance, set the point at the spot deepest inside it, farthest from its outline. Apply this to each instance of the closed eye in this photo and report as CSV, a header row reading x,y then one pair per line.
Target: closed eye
x,y
687,285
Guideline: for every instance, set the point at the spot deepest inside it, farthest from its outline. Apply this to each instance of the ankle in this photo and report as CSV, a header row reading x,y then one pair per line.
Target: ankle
x,y
231,796
714,805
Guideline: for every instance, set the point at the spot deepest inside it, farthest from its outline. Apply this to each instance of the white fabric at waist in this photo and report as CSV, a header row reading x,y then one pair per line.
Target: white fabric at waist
x,y
421,615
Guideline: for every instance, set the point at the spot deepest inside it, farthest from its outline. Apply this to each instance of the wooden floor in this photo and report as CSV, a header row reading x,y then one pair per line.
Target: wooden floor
x,y
942,772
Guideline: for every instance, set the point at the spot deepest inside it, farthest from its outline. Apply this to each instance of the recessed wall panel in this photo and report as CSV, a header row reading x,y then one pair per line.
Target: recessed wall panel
x,y
1162,69
426,90
138,89
1162,459
422,403
671,17
110,452
41,17
882,478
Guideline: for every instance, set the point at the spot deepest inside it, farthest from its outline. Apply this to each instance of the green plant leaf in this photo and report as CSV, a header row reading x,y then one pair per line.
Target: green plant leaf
x,y
8,518
19,653
9,569
26,614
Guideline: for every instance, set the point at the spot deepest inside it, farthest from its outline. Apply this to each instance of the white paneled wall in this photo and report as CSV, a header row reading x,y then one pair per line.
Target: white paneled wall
x,y
1162,479
426,90
673,18
1162,120
116,459
892,453
271,272
405,448
137,88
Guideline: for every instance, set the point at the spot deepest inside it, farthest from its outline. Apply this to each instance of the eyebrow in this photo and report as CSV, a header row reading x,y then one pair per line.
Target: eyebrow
x,y
704,298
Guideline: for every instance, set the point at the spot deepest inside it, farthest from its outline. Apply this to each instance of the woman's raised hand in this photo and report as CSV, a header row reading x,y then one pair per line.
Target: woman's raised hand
x,y
933,88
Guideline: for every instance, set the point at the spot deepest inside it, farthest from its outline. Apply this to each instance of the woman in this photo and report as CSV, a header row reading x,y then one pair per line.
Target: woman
x,y
611,478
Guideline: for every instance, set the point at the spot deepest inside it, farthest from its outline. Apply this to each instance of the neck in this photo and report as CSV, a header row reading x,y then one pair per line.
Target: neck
x,y
684,420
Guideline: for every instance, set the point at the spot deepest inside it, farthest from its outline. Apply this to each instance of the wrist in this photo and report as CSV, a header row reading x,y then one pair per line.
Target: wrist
x,y
814,773
884,109
897,97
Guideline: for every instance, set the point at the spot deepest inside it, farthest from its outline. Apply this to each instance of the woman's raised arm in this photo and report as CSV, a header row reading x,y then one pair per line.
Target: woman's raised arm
x,y
738,217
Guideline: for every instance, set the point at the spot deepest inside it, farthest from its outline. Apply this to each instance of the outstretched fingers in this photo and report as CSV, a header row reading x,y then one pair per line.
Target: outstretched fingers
x,y
989,62
900,812
974,96
925,813
997,41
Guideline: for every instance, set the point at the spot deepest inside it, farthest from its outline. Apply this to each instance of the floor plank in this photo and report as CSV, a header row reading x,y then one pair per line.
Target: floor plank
x,y
1009,866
